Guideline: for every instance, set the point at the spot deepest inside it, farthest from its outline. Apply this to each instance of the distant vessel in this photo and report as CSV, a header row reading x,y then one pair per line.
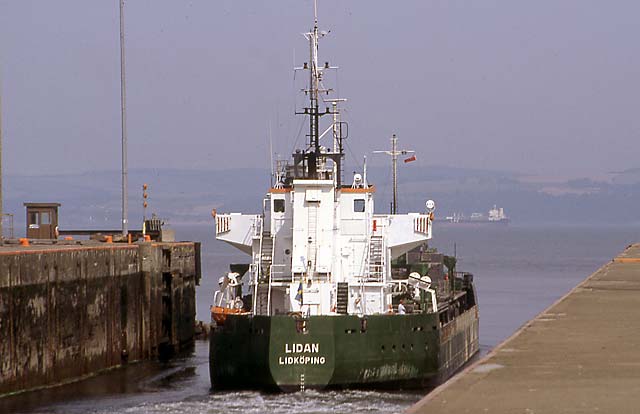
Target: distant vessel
x,y
337,296
496,216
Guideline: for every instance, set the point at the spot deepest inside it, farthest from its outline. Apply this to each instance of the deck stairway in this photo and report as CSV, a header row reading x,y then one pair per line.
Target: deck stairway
x,y
266,256
262,302
376,258
264,275
342,298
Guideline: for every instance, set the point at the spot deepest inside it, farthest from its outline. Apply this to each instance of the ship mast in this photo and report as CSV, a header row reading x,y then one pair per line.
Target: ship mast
x,y
394,163
313,159
314,83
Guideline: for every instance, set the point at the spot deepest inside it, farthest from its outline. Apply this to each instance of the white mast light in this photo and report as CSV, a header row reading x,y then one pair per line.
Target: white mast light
x,y
431,205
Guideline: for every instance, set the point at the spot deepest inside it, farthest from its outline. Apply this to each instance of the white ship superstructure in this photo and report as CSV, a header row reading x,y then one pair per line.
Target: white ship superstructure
x,y
317,247
497,214
326,240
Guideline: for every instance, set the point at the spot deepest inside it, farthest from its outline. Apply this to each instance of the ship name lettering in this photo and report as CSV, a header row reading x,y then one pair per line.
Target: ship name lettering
x,y
300,348
301,360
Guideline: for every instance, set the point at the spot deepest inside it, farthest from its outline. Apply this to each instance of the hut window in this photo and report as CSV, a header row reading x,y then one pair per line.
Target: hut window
x,y
358,205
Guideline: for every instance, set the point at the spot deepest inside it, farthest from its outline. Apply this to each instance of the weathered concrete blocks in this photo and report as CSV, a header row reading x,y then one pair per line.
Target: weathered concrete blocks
x,y
70,311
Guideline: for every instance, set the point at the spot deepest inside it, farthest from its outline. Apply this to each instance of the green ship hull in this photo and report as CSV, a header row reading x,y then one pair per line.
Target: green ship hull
x,y
290,353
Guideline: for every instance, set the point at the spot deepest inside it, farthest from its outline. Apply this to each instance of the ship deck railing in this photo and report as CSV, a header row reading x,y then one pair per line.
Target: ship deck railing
x,y
281,277
376,272
370,280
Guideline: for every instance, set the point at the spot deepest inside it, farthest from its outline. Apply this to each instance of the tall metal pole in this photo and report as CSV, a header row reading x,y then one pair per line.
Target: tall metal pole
x,y
394,162
1,206
123,115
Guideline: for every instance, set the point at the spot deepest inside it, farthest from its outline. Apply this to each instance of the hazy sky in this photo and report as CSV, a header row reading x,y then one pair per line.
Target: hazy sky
x,y
538,86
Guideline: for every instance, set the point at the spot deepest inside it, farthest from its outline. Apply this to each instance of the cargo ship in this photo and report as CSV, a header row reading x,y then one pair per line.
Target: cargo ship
x,y
335,295
495,216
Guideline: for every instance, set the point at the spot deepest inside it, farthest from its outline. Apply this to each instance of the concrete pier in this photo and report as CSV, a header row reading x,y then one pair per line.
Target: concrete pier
x,y
71,309
581,355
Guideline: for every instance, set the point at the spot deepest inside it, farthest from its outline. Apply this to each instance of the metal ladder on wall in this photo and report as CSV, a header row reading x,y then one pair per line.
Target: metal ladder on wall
x,y
376,258
313,234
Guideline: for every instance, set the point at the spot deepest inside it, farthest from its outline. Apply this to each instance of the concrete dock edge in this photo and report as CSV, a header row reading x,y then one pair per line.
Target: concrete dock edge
x,y
69,311
561,360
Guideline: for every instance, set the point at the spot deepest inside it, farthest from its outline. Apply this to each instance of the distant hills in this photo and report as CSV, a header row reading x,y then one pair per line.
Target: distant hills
x,y
92,200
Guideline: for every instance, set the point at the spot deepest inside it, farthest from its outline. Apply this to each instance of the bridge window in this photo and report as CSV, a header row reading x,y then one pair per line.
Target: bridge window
x,y
278,206
358,205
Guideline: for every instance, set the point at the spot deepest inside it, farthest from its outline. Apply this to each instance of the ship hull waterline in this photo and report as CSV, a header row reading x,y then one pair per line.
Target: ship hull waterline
x,y
287,353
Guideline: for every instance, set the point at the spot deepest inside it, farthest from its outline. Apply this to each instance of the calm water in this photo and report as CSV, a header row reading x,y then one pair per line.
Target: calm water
x,y
519,271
